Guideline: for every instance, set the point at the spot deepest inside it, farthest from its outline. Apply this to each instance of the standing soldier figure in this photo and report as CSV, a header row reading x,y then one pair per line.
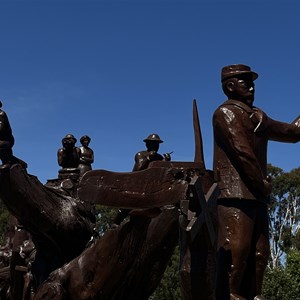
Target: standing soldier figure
x,y
241,134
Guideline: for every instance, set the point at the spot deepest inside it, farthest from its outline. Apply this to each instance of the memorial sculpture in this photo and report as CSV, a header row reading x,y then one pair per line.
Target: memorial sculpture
x,y
128,261
86,157
241,134
59,218
60,225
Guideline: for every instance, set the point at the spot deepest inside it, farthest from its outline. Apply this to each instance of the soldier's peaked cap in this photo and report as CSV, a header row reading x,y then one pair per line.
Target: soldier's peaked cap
x,y
153,137
236,71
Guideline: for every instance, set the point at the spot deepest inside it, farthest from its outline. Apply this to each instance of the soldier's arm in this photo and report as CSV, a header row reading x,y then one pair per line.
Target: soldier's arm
x,y
141,161
284,132
60,157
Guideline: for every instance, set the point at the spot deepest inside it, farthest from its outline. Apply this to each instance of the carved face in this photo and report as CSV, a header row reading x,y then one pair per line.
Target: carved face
x,y
152,145
85,142
243,89
68,143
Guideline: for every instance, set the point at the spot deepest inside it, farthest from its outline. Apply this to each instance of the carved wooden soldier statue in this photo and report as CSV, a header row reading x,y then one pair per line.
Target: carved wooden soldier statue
x,y
241,134
68,157
143,158
86,155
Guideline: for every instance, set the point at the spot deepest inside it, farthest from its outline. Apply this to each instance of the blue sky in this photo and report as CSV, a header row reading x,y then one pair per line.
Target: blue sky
x,y
120,70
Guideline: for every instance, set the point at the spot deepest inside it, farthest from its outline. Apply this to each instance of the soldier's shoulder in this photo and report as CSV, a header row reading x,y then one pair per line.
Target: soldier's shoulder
x,y
224,108
141,154
60,150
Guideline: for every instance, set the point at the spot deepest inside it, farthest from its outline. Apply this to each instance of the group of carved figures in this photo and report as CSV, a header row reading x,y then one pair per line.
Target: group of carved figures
x,y
70,157
241,135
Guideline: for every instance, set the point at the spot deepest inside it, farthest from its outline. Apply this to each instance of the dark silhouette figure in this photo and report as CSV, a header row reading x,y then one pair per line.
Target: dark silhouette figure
x,y
7,142
241,134
143,158
68,156
6,139
86,155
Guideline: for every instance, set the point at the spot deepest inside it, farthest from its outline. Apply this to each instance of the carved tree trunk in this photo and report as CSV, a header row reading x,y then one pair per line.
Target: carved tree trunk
x,y
126,263
58,224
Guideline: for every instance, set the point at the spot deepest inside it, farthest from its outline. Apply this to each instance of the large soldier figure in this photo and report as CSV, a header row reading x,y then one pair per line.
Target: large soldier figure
x,y
241,133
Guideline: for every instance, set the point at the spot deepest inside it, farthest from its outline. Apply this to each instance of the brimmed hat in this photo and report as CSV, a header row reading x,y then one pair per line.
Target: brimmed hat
x,y
153,137
236,71
70,137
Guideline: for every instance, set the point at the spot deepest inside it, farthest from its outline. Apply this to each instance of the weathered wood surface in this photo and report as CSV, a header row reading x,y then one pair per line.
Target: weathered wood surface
x,y
153,187
126,263
59,225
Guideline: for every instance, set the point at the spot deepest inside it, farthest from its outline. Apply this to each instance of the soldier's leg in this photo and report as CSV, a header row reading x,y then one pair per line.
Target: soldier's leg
x,y
262,252
235,230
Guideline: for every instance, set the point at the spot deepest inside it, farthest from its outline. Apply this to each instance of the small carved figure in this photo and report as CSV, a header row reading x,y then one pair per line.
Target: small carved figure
x,y
68,159
7,142
143,158
86,155
142,161
241,134
68,156
6,139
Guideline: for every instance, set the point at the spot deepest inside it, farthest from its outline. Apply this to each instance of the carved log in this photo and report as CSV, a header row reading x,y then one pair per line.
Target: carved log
x,y
154,187
143,247
59,225
108,269
144,275
197,231
126,261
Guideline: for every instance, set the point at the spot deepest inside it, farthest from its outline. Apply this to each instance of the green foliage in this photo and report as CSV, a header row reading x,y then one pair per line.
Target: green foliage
x,y
293,270
296,241
284,284
277,285
104,218
169,287
284,212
